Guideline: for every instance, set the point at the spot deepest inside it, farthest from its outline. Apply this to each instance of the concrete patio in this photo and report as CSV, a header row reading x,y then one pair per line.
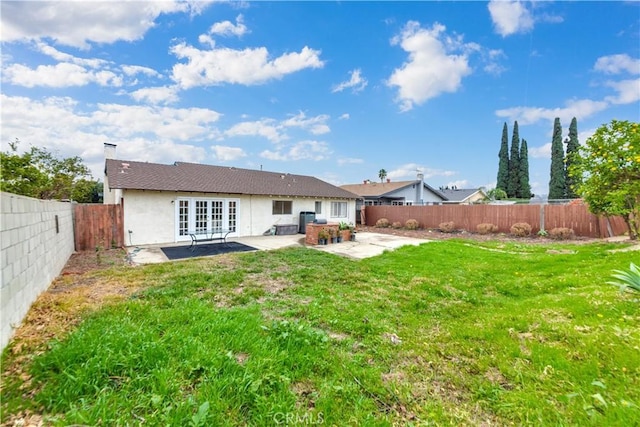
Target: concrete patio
x,y
366,245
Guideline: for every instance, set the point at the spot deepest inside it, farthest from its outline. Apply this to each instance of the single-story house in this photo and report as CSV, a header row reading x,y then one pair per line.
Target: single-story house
x,y
408,193
463,196
165,203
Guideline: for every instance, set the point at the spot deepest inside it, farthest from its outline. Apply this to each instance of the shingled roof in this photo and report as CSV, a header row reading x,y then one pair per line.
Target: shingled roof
x,y
380,189
459,194
192,177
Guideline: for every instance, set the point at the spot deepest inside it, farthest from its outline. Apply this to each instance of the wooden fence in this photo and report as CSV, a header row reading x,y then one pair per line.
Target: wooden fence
x,y
98,226
467,217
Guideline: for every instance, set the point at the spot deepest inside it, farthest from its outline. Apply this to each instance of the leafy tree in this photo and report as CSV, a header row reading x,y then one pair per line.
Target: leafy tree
x,y
572,147
503,165
20,175
38,173
495,194
382,174
513,185
606,171
557,187
525,187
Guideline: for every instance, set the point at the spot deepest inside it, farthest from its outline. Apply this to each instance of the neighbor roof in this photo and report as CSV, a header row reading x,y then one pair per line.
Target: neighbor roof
x,y
375,189
459,194
192,177
380,189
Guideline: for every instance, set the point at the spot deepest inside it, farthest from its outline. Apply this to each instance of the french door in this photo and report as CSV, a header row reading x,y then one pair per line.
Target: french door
x,y
202,215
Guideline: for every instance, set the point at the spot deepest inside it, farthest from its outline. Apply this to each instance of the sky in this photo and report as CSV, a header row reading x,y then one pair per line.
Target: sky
x,y
336,90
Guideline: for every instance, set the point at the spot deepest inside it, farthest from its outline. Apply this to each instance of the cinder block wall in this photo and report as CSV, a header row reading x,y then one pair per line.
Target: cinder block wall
x,y
35,248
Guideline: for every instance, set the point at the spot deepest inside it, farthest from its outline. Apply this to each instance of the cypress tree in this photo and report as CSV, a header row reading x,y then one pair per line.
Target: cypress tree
x,y
503,165
572,149
513,185
557,187
525,187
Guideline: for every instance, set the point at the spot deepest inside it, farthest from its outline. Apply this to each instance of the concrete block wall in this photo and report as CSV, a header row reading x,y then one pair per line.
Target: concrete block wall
x,y
36,238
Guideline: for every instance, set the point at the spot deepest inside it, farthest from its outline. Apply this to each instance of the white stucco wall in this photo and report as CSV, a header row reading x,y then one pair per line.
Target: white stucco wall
x,y
151,216
33,253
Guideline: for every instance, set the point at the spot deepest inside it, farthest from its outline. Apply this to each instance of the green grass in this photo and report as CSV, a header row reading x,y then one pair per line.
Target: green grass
x,y
447,333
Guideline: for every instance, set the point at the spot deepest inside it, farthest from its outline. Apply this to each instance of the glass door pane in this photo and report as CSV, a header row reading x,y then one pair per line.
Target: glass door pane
x,y
232,215
217,214
202,216
183,217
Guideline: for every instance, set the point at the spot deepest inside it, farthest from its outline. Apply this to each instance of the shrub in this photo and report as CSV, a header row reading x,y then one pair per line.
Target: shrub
x,y
447,227
396,225
543,233
562,233
412,224
486,228
382,223
521,229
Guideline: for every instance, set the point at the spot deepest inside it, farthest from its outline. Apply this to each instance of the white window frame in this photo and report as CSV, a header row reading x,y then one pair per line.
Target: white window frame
x,y
339,209
284,202
229,219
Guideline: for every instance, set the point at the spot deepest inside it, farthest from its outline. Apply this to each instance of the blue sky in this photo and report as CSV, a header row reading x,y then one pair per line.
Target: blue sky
x,y
338,90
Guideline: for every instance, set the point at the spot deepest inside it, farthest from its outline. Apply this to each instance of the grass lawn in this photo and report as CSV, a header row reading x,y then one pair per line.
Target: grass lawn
x,y
448,333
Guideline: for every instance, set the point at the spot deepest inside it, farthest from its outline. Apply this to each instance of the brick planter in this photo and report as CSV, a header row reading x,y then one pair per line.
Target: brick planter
x,y
312,231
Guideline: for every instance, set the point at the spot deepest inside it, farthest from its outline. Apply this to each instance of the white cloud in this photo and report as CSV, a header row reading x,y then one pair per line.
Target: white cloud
x,y
581,108
303,150
78,23
72,71
491,58
224,153
356,82
431,68
132,70
141,133
54,53
316,125
628,91
172,123
275,131
247,67
60,75
156,95
349,161
459,184
227,28
410,171
344,116
541,152
616,64
266,128
510,17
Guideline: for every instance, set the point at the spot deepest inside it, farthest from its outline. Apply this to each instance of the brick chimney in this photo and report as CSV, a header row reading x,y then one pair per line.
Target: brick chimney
x,y
388,179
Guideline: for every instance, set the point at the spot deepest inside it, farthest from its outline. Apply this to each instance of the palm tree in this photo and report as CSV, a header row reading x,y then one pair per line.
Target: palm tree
x,y
382,174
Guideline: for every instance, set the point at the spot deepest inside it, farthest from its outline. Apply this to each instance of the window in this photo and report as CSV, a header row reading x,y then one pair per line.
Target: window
x,y
408,203
318,208
282,207
339,209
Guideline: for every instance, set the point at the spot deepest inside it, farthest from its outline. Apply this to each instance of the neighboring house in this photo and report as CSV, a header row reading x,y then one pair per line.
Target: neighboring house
x,y
407,193
463,196
415,192
164,203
